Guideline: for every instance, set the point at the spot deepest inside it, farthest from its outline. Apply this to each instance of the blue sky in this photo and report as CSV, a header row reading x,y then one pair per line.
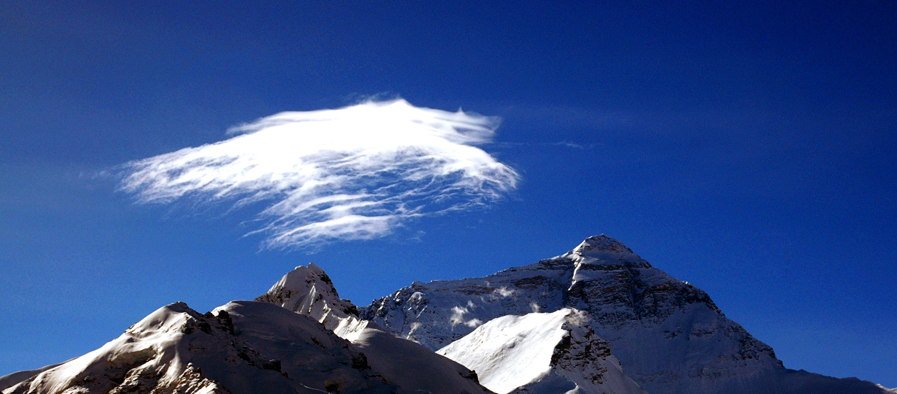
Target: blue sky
x,y
749,149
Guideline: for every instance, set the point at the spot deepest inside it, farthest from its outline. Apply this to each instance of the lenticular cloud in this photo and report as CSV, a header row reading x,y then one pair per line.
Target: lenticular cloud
x,y
348,173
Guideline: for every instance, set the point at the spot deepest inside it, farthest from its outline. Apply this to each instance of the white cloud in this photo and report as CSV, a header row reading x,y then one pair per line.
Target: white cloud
x,y
458,316
504,291
343,174
535,306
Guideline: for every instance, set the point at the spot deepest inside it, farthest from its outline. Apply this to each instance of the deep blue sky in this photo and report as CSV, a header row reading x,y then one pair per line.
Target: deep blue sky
x,y
750,149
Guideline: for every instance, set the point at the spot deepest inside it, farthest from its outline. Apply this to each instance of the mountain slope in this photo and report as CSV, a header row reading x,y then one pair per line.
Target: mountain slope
x,y
669,335
309,291
242,347
543,353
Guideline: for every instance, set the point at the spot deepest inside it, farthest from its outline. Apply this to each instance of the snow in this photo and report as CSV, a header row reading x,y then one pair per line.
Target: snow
x,y
409,364
510,351
241,347
542,352
309,291
146,345
668,335
608,320
599,245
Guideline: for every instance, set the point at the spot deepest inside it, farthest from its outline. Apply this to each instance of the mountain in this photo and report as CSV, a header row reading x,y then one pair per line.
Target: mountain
x,y
244,347
569,354
668,335
598,319
541,353
241,347
308,291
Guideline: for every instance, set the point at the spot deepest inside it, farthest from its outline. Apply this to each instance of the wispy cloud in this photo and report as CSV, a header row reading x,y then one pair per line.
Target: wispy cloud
x,y
342,174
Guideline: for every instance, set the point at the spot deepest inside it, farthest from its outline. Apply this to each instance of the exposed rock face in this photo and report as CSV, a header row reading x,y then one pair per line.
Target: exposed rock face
x,y
669,336
583,354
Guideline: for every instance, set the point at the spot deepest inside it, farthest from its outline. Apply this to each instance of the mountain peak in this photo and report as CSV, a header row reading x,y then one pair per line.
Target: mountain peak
x,y
309,291
601,243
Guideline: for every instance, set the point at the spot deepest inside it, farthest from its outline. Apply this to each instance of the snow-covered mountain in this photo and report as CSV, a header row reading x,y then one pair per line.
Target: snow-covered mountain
x,y
567,354
309,291
598,319
241,347
669,335
246,347
541,353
